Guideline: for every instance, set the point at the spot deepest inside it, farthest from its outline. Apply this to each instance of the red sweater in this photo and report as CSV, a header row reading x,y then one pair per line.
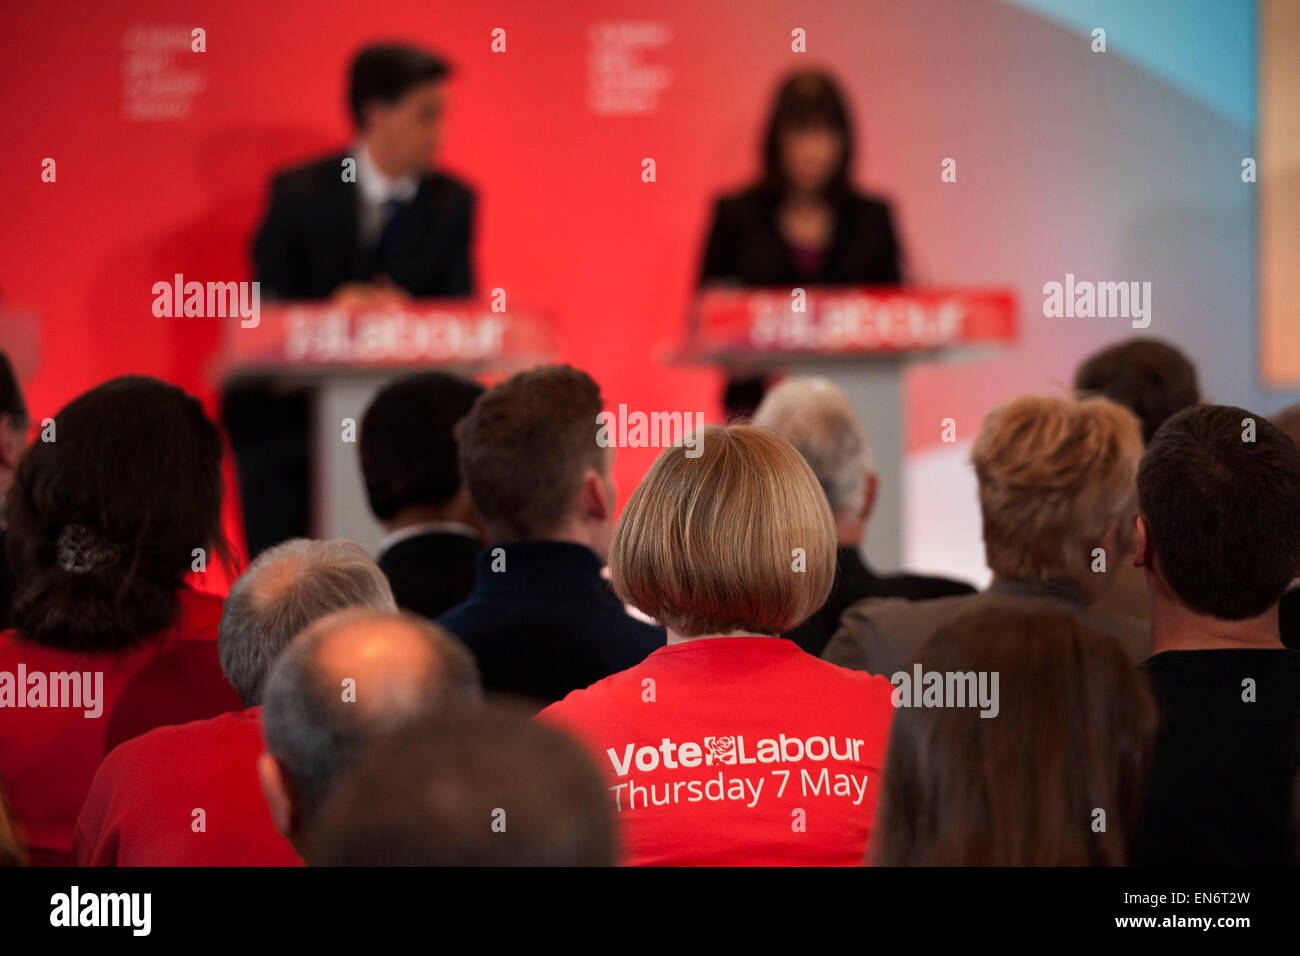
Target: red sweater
x,y
737,751
141,810
48,754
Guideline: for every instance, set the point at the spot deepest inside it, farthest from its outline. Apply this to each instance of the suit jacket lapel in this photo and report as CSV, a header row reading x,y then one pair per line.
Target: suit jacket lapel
x,y
345,220
349,220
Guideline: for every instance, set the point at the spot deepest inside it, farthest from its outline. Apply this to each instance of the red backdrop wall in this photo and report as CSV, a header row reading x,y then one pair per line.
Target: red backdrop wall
x,y
1069,162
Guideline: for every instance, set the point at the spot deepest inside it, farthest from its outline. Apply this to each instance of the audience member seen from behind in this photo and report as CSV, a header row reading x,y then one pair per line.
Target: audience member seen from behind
x,y
1057,499
142,803
1153,380
706,742
541,620
1219,540
499,790
1054,779
12,851
13,439
347,680
104,522
1288,610
815,416
412,476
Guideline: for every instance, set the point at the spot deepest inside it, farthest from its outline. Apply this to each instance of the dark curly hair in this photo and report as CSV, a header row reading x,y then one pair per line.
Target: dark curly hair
x,y
1150,378
104,514
408,441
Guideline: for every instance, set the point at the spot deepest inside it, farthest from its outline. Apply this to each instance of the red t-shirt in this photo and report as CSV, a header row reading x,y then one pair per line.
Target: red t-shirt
x,y
48,754
737,751
142,803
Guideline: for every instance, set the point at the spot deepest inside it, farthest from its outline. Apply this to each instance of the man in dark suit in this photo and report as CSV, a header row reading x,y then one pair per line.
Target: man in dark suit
x,y
1057,499
541,620
814,415
13,439
375,221
412,475
368,226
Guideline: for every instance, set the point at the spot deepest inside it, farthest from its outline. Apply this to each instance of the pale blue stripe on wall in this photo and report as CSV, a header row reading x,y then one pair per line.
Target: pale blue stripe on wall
x,y
1205,48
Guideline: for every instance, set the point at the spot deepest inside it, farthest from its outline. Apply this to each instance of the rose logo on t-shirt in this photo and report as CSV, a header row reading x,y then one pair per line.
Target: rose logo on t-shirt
x,y
721,749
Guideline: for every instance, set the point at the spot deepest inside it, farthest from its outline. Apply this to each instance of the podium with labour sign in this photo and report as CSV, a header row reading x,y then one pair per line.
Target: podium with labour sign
x,y
861,339
345,355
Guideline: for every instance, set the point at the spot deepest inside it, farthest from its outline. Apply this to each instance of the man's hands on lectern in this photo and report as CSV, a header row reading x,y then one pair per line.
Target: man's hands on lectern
x,y
369,295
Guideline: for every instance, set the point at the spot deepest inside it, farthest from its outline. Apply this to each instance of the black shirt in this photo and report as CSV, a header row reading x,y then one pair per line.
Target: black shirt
x,y
546,624
431,572
1288,619
1220,791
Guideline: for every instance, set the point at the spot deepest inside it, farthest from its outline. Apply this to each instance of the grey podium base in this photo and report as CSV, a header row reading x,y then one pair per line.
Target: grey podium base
x,y
339,492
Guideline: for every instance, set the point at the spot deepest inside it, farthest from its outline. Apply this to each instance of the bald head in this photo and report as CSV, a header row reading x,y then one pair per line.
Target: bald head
x,y
285,589
397,666
346,680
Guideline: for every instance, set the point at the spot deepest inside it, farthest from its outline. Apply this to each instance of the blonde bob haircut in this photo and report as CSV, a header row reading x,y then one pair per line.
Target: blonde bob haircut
x,y
1054,475
740,538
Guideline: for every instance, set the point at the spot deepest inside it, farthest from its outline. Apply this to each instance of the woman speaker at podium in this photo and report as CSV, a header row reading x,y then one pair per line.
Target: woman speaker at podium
x,y
803,223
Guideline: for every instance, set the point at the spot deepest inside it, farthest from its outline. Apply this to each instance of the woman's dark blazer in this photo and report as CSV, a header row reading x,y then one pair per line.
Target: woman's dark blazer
x,y
745,246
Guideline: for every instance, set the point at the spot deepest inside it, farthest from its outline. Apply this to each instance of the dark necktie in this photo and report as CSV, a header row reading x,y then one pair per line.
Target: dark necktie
x,y
386,250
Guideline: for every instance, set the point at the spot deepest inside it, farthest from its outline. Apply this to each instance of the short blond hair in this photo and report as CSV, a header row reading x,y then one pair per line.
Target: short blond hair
x,y
740,538
1054,474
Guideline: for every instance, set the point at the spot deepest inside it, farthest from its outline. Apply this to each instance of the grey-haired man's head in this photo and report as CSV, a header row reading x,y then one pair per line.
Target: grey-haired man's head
x,y
815,416
285,589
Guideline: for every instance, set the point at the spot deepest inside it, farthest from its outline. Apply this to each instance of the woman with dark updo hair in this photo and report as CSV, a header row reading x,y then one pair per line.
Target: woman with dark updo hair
x,y
106,517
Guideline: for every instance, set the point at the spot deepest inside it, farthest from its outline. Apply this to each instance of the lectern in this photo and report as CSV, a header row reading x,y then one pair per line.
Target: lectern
x,y
862,339
346,355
